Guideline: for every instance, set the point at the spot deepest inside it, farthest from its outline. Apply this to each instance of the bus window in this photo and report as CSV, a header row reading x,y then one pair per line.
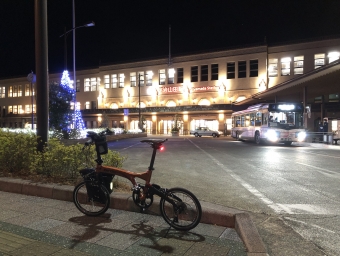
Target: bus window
x,y
265,119
247,122
258,118
242,121
252,119
238,121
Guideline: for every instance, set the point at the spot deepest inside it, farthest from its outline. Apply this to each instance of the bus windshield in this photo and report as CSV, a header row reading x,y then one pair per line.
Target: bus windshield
x,y
286,120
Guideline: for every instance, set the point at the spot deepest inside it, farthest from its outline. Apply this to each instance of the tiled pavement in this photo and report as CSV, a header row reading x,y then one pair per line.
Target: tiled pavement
x,y
32,225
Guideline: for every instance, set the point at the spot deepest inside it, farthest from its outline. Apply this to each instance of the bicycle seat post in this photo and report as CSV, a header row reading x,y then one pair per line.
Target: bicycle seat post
x,y
153,157
155,146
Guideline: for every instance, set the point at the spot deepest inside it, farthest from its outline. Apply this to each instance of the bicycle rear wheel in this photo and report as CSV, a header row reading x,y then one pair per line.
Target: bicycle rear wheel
x,y
90,198
187,212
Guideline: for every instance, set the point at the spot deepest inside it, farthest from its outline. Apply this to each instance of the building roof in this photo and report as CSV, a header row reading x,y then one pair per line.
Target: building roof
x,y
318,82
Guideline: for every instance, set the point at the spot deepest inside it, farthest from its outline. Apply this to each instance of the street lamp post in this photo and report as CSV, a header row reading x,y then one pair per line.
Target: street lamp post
x,y
139,116
91,24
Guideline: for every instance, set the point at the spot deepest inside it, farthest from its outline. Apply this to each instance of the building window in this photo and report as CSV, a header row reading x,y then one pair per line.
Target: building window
x,y
334,97
162,76
141,78
87,105
272,67
242,69
319,60
27,89
2,92
114,81
87,85
230,70
194,74
298,65
204,73
171,76
93,84
180,74
149,76
106,81
285,66
121,80
133,79
20,111
10,91
333,56
15,91
78,86
19,90
28,108
214,71
254,68
15,109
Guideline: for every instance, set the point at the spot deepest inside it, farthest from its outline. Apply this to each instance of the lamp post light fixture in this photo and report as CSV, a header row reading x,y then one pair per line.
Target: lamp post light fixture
x,y
91,24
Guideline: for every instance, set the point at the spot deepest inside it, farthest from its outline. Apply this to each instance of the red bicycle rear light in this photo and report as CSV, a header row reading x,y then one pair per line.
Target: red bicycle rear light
x,y
161,148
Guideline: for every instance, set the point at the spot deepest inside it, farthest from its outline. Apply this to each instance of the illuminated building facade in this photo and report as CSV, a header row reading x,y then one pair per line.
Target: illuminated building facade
x,y
202,89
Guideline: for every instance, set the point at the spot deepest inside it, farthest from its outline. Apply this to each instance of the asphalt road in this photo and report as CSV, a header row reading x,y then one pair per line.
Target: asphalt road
x,y
291,192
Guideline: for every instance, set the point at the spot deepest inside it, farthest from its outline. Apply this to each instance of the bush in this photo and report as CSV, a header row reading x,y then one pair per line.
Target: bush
x,y
19,156
17,151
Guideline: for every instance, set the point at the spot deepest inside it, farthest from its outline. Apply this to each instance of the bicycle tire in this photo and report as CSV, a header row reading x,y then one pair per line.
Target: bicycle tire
x,y
188,213
91,205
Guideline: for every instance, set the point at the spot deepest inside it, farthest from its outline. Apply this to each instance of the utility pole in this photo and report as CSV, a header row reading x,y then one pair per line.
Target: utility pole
x,y
140,125
41,62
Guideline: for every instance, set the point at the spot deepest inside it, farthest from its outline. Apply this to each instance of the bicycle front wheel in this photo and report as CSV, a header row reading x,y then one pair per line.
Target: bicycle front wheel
x,y
187,211
91,199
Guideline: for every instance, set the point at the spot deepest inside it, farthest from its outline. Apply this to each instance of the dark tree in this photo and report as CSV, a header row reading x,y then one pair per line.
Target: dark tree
x,y
60,112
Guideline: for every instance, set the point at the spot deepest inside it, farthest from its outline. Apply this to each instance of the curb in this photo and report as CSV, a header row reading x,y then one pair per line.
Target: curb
x,y
230,218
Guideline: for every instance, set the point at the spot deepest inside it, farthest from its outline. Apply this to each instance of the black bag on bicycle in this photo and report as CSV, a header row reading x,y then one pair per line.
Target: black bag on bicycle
x,y
101,145
93,181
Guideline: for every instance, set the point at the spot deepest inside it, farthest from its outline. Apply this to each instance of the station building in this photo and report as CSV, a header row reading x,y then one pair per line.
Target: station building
x,y
202,89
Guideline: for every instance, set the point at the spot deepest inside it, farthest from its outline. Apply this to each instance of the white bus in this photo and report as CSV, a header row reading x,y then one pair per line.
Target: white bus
x,y
269,122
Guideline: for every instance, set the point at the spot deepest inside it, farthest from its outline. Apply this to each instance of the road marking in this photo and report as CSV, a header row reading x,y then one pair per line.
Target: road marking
x,y
277,208
308,152
318,168
308,209
131,146
313,225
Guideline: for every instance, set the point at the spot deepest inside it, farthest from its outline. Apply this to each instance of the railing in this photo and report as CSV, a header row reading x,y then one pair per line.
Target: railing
x,y
322,137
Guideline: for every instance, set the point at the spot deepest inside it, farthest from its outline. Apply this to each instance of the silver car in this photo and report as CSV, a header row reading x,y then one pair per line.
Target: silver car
x,y
205,131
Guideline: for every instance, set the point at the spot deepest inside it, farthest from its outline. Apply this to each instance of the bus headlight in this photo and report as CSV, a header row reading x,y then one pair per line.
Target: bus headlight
x,y
301,136
272,135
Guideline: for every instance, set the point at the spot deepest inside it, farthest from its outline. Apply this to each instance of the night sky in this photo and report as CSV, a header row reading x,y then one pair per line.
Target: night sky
x,y
136,30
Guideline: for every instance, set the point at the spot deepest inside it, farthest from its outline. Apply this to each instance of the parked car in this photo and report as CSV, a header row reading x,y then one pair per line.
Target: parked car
x,y
205,131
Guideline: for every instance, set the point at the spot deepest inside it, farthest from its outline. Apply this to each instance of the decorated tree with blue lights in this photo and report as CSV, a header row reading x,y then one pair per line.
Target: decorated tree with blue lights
x,y
62,118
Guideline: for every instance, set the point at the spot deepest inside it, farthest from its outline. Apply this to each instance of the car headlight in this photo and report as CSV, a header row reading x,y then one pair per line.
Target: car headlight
x,y
272,135
301,136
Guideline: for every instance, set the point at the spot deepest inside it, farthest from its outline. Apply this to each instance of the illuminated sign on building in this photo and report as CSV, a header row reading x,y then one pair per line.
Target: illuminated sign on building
x,y
286,107
179,89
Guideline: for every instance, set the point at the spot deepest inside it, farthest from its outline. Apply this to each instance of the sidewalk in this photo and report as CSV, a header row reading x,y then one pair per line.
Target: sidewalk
x,y
31,225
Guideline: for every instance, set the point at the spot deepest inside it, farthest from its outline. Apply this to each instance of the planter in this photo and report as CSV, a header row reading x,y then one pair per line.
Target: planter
x,y
175,133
